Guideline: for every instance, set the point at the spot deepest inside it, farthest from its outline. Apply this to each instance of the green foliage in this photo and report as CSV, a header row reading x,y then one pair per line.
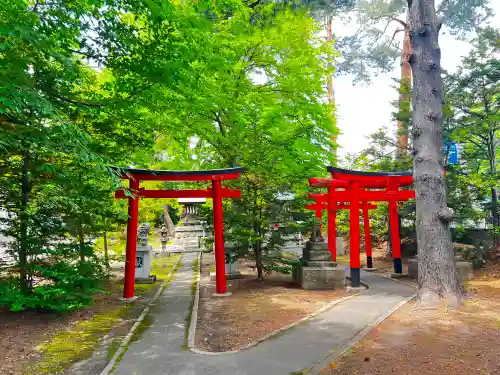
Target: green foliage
x,y
250,96
61,123
473,100
62,286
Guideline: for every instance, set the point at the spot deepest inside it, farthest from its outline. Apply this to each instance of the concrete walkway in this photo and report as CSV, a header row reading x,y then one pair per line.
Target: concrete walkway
x,y
160,351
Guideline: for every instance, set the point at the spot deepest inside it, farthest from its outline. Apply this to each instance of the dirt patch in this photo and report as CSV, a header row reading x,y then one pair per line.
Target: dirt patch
x,y
427,342
253,310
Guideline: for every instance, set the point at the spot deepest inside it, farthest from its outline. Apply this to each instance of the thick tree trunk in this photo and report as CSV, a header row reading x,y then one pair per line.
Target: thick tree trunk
x,y
23,226
405,83
437,274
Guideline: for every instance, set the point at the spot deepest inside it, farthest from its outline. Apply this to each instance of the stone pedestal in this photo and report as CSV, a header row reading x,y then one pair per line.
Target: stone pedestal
x,y
318,272
465,269
143,265
231,268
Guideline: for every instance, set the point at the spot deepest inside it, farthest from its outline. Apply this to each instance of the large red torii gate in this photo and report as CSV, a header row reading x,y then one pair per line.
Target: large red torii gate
x,y
216,192
355,187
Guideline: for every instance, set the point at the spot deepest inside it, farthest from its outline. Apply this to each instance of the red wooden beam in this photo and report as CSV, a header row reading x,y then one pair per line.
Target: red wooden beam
x,y
324,206
202,193
400,178
368,183
368,195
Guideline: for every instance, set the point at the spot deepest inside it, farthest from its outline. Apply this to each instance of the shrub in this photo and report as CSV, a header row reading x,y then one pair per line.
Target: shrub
x,y
59,286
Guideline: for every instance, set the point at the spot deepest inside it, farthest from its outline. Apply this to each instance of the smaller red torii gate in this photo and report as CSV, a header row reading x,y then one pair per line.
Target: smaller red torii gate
x,y
319,205
357,187
216,192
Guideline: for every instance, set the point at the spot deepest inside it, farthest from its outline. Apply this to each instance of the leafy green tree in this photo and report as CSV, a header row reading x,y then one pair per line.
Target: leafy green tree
x,y
473,95
61,123
252,97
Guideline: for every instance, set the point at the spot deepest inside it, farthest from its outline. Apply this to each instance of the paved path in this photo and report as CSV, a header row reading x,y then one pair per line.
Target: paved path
x,y
160,351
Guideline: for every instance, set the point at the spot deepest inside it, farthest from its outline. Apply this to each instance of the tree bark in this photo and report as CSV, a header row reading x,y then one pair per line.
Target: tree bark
x,y
494,194
106,255
23,226
438,276
402,136
81,239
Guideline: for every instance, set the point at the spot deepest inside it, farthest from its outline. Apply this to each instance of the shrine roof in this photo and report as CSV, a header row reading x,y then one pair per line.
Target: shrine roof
x,y
173,175
368,174
403,178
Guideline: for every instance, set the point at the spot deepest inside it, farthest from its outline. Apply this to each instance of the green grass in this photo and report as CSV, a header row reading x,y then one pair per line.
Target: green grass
x,y
162,265
113,347
117,244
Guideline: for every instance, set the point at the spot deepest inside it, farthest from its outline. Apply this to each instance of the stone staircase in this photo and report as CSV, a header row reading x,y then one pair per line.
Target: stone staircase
x,y
188,235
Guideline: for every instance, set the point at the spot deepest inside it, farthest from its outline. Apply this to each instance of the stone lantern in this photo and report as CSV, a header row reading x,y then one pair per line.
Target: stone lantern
x,y
143,256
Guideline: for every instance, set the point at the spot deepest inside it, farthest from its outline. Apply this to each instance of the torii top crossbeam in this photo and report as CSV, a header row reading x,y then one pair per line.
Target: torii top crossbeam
x,y
171,175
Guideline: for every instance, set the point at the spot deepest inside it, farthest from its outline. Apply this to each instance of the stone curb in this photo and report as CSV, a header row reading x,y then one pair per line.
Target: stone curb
x,y
194,310
123,346
192,328
315,369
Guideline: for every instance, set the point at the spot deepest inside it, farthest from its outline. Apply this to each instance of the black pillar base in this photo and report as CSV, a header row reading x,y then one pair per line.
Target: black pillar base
x,y
398,265
355,277
369,262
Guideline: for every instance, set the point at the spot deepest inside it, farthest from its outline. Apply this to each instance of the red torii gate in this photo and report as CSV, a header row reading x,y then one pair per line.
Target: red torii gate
x,y
319,206
216,192
355,185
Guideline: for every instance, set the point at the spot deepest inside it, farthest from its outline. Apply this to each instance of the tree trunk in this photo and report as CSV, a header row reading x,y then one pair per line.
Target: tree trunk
x,y
494,194
23,226
81,239
437,272
167,221
405,83
329,81
106,255
258,260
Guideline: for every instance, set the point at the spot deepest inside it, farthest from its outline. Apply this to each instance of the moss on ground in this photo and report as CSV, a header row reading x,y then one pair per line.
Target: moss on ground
x,y
161,266
80,341
113,347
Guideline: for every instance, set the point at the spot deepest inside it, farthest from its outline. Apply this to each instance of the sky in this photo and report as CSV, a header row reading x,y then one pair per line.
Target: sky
x,y
362,110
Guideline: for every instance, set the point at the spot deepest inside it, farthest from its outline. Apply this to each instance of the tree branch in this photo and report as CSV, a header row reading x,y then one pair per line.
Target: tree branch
x,y
76,102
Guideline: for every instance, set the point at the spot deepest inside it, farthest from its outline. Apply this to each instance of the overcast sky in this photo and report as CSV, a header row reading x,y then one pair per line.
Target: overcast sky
x,y
361,110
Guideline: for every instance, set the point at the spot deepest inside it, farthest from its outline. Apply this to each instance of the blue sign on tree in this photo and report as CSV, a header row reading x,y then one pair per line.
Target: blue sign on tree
x,y
451,149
